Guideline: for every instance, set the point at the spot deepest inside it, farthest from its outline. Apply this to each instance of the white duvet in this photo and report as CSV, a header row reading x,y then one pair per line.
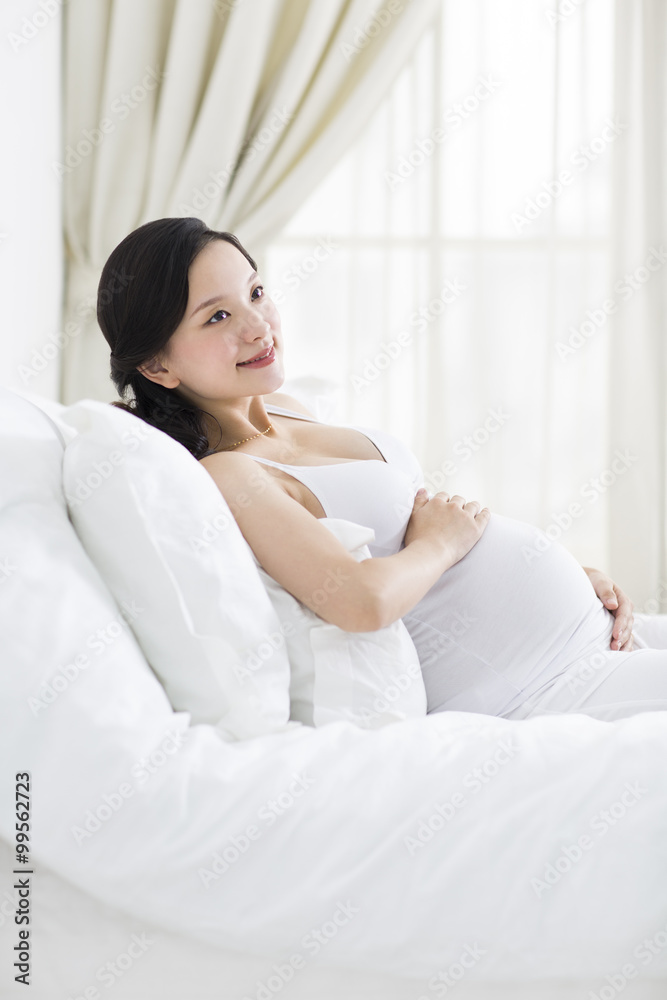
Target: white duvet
x,y
512,850
539,846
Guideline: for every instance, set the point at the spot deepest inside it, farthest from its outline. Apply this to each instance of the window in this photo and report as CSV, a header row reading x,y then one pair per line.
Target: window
x,y
450,274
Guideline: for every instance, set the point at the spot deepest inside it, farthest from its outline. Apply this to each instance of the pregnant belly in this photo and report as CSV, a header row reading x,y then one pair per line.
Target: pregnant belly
x,y
517,609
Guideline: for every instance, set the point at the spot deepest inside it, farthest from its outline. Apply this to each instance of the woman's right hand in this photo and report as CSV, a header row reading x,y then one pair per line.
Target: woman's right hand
x,y
449,522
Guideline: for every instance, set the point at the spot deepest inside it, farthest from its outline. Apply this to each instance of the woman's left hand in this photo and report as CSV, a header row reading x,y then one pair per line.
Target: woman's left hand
x,y
620,606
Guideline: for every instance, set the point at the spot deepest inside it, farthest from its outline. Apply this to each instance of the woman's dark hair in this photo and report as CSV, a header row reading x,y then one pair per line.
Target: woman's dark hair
x,y
141,299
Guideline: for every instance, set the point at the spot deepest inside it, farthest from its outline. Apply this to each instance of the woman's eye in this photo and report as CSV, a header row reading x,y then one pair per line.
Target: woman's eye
x,y
220,314
260,289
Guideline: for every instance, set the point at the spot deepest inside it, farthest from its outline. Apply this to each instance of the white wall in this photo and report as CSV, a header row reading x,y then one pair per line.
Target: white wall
x,y
31,247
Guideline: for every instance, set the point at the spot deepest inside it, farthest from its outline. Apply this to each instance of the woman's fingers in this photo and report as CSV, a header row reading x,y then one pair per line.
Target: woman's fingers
x,y
618,604
466,504
473,506
456,498
624,620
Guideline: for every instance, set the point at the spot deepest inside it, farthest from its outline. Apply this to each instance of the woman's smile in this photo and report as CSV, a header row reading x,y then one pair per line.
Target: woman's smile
x,y
260,360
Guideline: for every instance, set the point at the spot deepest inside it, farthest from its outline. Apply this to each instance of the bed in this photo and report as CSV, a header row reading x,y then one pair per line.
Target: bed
x,y
224,806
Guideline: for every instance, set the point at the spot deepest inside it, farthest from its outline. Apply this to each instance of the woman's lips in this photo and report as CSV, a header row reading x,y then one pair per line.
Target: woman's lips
x,y
261,362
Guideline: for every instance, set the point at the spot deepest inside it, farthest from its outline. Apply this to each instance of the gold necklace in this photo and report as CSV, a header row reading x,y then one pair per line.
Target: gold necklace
x,y
251,438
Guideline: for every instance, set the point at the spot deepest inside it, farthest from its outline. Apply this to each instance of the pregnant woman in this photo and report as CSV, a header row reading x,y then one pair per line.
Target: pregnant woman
x,y
505,622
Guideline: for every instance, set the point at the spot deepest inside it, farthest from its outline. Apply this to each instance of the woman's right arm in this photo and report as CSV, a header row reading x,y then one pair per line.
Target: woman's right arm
x,y
308,561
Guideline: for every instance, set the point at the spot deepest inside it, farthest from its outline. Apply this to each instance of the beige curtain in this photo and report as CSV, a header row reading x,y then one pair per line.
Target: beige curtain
x,y
638,375
230,110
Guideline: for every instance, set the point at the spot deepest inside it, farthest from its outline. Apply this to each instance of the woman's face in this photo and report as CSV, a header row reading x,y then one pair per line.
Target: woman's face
x,y
228,321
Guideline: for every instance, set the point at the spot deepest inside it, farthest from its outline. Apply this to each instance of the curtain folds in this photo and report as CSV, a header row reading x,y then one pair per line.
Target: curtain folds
x,y
230,110
638,375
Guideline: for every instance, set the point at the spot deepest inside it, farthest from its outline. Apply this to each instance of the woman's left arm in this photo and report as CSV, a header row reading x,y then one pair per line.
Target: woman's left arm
x,y
620,606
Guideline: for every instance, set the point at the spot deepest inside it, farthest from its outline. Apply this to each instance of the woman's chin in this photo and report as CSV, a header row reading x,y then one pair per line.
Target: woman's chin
x,y
275,375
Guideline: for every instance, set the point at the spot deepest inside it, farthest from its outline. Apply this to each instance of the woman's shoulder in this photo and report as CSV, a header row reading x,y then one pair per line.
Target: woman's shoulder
x,y
287,402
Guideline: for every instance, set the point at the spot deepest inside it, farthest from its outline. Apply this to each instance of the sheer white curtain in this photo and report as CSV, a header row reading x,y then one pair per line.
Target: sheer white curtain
x,y
230,110
637,412
458,278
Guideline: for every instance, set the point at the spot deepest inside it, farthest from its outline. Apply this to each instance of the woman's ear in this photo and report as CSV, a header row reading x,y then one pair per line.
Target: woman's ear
x,y
154,371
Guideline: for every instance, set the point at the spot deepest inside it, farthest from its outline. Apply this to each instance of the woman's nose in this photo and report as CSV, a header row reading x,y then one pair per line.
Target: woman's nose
x,y
253,326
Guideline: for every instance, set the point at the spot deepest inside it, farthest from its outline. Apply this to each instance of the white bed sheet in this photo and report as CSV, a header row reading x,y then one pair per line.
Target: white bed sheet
x,y
77,938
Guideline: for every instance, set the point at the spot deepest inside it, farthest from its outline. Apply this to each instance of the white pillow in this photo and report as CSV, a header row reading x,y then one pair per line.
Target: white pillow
x,y
369,678
163,538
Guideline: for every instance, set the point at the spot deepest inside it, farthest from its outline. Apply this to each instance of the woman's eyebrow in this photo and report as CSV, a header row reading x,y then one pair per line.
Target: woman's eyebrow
x,y
217,298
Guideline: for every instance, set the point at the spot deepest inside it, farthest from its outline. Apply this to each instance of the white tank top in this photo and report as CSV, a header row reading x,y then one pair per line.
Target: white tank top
x,y
378,494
